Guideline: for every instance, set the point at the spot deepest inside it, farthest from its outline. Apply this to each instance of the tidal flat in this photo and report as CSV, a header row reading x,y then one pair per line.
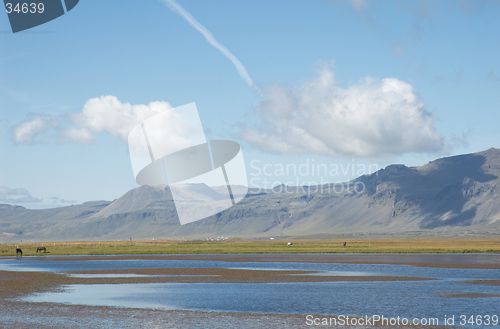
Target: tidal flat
x,y
243,291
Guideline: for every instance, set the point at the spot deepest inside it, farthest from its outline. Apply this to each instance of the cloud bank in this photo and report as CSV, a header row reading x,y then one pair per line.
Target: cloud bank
x,y
368,119
16,196
21,196
105,114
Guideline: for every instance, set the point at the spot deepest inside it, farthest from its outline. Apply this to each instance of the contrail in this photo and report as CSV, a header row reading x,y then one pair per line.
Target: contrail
x,y
210,38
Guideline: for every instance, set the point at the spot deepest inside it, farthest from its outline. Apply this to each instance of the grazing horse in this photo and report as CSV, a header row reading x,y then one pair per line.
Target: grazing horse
x,y
41,249
19,251
345,243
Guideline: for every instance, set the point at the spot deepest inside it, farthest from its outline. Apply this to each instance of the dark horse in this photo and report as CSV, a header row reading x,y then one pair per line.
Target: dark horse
x,y
41,249
19,251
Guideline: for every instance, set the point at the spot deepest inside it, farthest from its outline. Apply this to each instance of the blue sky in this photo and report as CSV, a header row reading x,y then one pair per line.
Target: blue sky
x,y
343,83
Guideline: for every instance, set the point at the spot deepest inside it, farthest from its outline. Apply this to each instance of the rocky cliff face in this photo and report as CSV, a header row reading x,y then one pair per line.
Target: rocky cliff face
x,y
455,191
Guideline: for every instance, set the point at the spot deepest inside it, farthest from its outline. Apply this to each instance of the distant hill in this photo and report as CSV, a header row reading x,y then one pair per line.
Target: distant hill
x,y
456,195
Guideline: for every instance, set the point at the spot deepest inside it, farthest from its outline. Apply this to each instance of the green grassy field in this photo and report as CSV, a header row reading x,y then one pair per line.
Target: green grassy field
x,y
235,246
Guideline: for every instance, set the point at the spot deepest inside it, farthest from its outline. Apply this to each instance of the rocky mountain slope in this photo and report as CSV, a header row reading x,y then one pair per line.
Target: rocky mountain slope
x,y
459,194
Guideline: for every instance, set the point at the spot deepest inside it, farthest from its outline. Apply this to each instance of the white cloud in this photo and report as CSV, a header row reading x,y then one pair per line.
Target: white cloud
x,y
100,114
76,135
175,7
17,191
25,132
16,196
20,196
368,119
108,114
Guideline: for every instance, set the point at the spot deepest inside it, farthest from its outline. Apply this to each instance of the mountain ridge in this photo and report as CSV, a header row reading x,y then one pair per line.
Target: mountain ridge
x,y
459,194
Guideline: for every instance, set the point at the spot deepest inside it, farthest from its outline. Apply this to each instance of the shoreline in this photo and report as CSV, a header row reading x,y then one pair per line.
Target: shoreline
x,y
236,246
479,261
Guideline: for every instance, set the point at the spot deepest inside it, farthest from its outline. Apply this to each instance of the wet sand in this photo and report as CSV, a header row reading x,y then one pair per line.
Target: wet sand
x,y
15,284
467,295
45,315
223,275
20,314
485,282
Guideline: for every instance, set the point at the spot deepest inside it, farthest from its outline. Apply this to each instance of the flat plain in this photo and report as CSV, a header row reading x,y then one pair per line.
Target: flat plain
x,y
254,246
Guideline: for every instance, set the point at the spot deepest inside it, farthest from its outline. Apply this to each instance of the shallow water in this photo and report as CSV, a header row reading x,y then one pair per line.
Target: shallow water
x,y
353,298
391,299
61,265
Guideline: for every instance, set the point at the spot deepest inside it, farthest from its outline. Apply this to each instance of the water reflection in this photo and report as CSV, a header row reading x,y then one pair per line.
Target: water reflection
x,y
354,298
409,298
454,274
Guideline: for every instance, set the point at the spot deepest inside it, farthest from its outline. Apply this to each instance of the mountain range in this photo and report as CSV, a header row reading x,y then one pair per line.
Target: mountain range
x,y
451,196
